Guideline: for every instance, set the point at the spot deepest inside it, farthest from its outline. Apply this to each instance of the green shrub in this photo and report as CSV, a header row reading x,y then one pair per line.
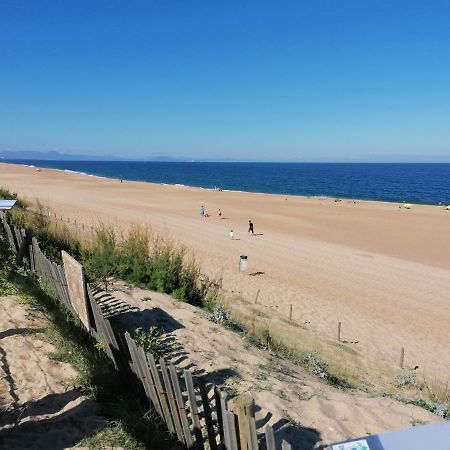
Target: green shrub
x,y
134,256
102,259
151,340
166,270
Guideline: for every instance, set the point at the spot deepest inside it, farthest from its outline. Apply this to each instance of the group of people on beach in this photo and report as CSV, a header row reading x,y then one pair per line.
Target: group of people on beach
x,y
251,229
203,212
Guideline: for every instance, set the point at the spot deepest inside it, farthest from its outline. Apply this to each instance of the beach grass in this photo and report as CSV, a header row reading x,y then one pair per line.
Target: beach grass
x,y
130,422
334,362
140,256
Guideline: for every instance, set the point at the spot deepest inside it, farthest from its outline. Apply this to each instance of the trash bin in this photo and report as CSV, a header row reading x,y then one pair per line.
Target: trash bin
x,y
243,263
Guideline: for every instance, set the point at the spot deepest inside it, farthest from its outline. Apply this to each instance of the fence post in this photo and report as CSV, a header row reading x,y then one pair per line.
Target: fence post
x,y
339,332
402,357
226,423
219,403
231,419
162,394
256,298
171,399
181,406
193,408
24,246
251,426
207,415
270,438
290,312
239,404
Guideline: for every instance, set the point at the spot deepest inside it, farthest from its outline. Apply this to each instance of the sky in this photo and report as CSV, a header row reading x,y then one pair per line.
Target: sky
x,y
318,80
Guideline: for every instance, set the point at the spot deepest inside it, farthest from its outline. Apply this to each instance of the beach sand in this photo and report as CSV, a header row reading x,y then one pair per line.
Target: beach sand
x,y
381,270
40,410
299,406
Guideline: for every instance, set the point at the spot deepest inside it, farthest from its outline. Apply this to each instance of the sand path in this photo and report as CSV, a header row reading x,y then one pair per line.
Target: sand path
x,y
39,412
382,271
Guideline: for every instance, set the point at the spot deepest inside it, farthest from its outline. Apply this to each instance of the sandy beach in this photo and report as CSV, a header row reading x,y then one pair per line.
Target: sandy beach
x,y
381,270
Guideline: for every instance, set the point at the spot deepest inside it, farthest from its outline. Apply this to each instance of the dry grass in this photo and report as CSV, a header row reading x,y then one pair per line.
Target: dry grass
x,y
335,362
343,361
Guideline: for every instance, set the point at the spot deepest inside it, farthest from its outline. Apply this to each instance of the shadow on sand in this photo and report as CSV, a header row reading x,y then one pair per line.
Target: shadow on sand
x,y
300,438
61,431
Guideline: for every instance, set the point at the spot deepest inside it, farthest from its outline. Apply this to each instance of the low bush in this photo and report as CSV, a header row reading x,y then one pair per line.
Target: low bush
x,y
101,259
441,409
407,378
145,259
151,340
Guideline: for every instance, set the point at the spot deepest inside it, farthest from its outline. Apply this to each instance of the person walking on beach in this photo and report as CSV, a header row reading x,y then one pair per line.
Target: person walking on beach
x,y
250,227
220,213
202,211
232,235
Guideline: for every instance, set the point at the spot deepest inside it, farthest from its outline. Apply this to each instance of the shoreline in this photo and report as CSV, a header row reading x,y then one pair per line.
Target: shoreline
x,y
315,196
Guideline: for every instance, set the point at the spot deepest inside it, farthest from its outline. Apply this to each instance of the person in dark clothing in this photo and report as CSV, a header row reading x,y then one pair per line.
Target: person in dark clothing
x,y
250,227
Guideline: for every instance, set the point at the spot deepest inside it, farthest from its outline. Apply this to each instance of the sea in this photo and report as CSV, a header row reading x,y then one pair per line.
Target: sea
x,y
399,182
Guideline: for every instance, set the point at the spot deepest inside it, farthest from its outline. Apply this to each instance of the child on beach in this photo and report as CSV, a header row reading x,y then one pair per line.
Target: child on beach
x,y
250,227
231,234
202,211
220,213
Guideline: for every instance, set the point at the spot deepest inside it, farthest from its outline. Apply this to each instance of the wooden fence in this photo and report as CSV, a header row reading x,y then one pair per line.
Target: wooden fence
x,y
199,414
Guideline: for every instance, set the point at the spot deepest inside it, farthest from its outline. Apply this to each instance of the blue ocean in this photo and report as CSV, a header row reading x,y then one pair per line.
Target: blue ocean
x,y
412,183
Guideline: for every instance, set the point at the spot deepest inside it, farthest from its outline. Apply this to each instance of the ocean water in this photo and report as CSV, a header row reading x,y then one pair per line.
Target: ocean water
x,y
413,183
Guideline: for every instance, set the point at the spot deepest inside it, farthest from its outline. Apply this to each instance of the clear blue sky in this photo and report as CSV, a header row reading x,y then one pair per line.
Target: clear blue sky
x,y
318,80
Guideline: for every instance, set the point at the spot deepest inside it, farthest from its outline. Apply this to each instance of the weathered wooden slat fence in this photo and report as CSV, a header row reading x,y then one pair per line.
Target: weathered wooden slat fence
x,y
198,414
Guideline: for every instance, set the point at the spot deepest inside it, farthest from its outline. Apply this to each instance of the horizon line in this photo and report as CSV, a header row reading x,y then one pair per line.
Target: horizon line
x,y
193,161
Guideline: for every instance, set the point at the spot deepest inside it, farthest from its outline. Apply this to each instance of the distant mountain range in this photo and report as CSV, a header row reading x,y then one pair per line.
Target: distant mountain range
x,y
58,156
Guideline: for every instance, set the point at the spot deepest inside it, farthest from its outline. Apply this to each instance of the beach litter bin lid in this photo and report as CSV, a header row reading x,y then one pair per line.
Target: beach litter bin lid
x,y
243,263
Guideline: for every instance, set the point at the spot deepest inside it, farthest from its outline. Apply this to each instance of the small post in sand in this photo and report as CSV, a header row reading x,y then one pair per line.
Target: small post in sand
x,y
402,357
290,312
339,332
256,298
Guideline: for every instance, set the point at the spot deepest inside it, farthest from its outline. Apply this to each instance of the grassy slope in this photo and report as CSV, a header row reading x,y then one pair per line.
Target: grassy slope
x,y
131,424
